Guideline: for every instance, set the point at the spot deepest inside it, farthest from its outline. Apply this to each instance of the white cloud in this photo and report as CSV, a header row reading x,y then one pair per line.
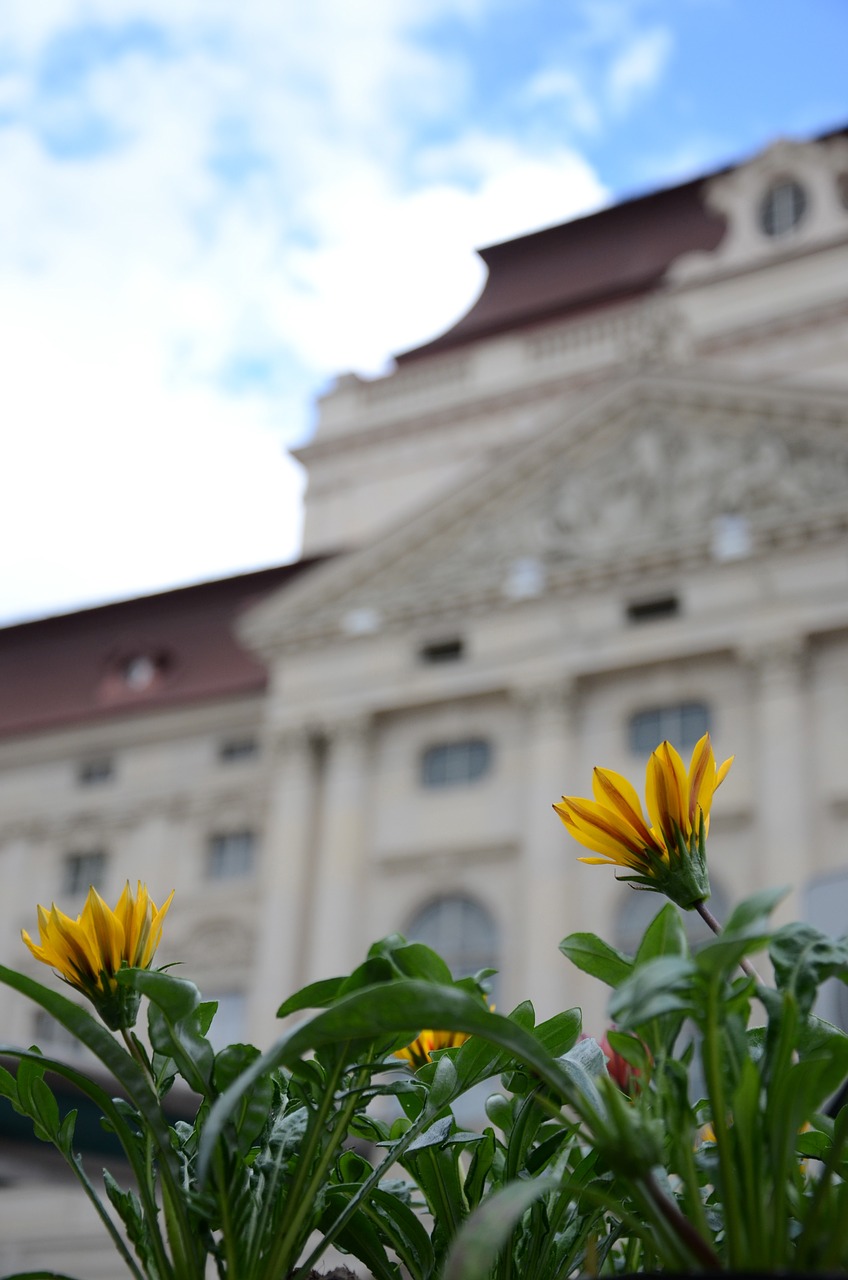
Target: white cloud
x,y
259,198
637,69
557,87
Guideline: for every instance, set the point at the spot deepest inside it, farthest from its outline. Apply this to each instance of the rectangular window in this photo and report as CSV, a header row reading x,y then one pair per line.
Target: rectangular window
x,y
233,749
442,651
230,855
83,870
682,724
453,763
653,610
92,773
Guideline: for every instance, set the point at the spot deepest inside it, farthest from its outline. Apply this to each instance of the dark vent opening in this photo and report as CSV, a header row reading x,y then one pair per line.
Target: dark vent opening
x,y
651,610
442,651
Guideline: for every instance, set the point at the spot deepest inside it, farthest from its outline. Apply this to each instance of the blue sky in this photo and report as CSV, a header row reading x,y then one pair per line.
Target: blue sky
x,y
210,209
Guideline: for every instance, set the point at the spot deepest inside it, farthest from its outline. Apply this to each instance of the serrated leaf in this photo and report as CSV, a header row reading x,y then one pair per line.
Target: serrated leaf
x,y
435,1136
372,1014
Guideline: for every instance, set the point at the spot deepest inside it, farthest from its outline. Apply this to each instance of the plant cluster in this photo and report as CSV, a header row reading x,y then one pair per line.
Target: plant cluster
x,y
702,1136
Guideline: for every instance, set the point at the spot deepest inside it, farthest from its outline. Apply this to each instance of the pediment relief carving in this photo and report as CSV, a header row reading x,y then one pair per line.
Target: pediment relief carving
x,y
644,471
663,483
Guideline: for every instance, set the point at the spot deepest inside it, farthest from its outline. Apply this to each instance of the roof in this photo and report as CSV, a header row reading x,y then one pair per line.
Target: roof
x,y
578,266
146,654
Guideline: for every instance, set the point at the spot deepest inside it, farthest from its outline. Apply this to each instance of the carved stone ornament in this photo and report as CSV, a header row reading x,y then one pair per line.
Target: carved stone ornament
x,y
647,471
664,484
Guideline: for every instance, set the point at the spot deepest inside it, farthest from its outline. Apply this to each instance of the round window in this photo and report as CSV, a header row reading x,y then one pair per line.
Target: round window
x,y
782,207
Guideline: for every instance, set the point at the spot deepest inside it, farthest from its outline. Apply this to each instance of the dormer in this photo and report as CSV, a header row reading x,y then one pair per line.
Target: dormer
x,y
791,199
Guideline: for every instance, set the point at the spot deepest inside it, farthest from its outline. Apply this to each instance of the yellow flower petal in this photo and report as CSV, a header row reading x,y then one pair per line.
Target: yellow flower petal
x,y
614,791
89,951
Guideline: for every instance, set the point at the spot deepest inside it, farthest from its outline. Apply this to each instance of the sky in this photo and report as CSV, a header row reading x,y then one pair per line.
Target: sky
x,y
210,208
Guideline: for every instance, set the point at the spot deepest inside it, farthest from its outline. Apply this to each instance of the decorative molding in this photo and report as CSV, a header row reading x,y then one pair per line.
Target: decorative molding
x,y
629,485
738,194
777,660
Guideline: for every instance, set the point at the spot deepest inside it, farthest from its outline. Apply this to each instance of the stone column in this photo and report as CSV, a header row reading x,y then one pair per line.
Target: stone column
x,y
284,882
335,943
546,858
778,671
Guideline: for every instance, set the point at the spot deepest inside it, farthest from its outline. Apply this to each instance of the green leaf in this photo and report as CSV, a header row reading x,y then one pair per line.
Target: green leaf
x,y
435,1136
403,1230
483,1235
657,987
368,1016
560,1033
252,1116
46,1108
478,1170
631,1049
174,1022
803,958
318,995
103,1045
754,910
664,936
417,961
597,958
358,1236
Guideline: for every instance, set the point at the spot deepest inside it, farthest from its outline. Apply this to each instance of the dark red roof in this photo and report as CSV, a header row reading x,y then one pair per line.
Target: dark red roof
x,y
578,266
73,668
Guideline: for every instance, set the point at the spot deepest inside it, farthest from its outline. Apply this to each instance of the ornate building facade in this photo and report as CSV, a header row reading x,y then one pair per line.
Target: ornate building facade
x,y
609,506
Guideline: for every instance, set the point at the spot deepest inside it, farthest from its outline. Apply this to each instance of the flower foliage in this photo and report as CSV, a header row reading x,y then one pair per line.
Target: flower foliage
x,y
666,850
89,951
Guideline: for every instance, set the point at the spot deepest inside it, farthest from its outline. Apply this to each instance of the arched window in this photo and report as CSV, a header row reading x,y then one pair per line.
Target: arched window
x,y
462,932
782,207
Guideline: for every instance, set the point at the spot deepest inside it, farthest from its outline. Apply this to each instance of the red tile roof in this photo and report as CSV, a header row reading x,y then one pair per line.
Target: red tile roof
x,y
579,266
72,668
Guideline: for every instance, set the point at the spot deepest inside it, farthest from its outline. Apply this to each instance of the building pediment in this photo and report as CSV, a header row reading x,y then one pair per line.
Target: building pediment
x,y
655,472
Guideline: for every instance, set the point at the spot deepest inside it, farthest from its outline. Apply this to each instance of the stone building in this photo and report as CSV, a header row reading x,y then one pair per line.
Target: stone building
x,y
609,506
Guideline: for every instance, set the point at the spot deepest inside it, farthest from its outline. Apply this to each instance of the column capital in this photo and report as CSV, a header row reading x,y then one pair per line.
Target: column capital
x,y
292,739
554,695
775,657
351,728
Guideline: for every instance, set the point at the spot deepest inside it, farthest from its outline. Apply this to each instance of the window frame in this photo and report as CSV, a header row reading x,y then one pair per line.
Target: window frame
x,y
677,734
231,854
459,762
76,880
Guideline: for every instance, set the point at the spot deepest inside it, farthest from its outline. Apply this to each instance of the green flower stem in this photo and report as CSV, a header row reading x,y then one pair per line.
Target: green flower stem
x,y
180,1236
393,1156
227,1234
824,1184
710,920
715,1089
278,1262
681,1226
689,1178
117,1238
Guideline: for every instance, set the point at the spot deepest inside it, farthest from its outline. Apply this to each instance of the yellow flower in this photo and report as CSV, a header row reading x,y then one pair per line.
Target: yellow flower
x,y
667,850
418,1054
89,951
